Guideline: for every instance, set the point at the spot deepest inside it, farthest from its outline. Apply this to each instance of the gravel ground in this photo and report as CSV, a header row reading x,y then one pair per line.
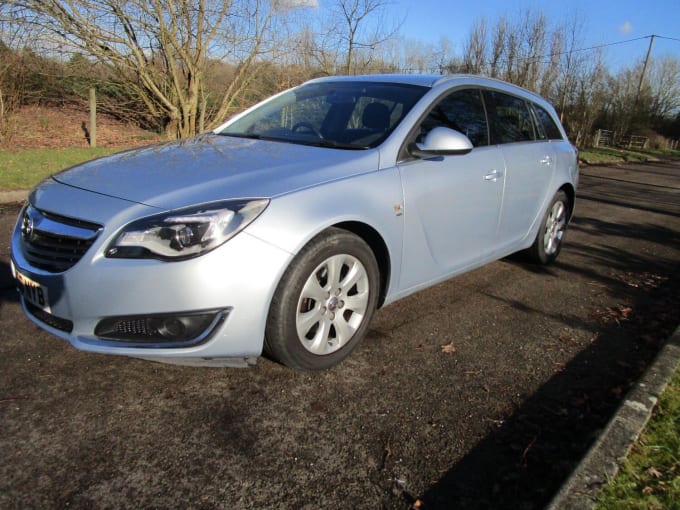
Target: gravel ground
x,y
482,392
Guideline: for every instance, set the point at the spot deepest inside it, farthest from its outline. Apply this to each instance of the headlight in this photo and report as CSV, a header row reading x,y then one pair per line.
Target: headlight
x,y
185,233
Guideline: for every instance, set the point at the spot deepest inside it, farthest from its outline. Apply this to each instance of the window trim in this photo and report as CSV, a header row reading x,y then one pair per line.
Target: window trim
x,y
491,120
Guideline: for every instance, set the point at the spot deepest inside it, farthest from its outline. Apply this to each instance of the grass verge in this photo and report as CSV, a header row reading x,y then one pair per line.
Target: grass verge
x,y
649,478
26,168
611,155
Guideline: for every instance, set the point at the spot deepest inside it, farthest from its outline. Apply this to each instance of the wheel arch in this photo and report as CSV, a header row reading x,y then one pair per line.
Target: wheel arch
x,y
379,248
571,195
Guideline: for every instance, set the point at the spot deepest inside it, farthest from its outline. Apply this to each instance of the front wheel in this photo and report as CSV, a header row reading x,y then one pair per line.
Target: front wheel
x,y
324,303
548,242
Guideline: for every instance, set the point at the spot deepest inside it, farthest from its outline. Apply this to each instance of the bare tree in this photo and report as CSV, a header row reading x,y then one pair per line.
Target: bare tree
x,y
357,36
664,86
621,106
588,95
627,110
532,49
567,65
513,51
475,54
349,37
163,49
551,68
13,70
498,49
318,48
405,55
441,55
348,40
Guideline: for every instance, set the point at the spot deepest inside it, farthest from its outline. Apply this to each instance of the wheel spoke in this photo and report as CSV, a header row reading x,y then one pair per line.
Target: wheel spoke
x,y
550,245
313,289
343,329
306,320
558,211
319,344
356,272
334,267
357,303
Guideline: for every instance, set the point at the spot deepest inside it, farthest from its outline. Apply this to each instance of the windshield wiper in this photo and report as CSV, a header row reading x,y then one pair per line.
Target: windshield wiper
x,y
332,144
321,142
252,136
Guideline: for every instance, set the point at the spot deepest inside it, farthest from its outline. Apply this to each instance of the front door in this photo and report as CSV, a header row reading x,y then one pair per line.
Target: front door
x,y
451,213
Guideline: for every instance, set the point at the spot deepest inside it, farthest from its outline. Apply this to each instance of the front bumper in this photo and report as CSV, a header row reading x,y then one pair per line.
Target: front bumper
x,y
237,280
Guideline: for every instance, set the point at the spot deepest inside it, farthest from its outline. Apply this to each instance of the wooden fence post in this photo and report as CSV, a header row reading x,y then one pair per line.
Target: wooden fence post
x,y
93,117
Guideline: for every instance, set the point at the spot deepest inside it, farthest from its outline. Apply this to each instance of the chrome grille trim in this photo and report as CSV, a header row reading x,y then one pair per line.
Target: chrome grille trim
x,y
55,243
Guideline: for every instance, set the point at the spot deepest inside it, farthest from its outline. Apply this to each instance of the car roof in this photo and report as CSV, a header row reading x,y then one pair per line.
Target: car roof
x,y
431,81
425,80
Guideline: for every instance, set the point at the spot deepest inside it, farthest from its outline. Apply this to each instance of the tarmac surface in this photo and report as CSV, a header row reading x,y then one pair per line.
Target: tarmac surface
x,y
508,387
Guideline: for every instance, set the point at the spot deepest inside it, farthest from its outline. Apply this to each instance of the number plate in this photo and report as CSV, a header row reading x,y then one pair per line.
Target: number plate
x,y
33,292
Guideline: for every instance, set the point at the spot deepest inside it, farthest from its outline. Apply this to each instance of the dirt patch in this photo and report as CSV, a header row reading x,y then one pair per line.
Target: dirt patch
x,y
48,127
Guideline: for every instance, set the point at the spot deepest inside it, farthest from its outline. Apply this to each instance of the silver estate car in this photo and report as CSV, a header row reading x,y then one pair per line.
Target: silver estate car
x,y
284,229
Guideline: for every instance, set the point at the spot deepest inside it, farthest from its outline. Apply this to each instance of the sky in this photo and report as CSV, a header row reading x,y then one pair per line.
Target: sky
x,y
605,22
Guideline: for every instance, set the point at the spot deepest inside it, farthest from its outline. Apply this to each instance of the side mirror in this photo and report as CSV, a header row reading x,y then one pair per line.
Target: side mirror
x,y
441,141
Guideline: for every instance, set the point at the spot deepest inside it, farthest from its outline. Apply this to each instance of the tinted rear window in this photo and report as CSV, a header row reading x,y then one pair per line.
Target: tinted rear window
x,y
551,129
510,117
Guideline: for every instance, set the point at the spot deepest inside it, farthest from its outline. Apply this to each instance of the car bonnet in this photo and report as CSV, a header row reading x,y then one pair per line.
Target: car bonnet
x,y
212,167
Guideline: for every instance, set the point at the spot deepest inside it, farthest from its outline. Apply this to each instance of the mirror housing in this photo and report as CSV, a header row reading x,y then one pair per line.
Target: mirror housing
x,y
441,141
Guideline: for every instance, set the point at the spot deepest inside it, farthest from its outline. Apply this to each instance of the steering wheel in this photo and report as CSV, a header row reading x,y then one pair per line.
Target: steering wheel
x,y
308,127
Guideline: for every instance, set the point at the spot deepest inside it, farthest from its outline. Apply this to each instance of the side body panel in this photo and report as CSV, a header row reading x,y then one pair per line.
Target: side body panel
x,y
452,205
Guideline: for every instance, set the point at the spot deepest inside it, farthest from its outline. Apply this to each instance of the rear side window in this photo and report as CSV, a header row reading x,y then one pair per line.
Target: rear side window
x,y
549,126
462,110
510,117
538,125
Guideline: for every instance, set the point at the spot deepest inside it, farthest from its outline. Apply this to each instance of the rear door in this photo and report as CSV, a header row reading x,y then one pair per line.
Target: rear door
x,y
529,165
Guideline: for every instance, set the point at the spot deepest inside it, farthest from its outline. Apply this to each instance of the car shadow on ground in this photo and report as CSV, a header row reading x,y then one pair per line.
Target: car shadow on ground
x,y
7,286
523,461
8,291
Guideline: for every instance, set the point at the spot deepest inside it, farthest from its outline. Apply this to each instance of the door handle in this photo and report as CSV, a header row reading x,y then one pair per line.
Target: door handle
x,y
493,176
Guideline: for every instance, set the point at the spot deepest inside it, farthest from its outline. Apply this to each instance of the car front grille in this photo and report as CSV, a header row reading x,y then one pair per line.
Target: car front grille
x,y
55,243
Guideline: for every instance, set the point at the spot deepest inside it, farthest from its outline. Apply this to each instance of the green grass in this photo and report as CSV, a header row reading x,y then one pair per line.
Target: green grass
x,y
24,169
649,479
611,155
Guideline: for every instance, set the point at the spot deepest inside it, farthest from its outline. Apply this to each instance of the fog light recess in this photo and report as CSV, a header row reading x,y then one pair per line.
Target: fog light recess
x,y
162,330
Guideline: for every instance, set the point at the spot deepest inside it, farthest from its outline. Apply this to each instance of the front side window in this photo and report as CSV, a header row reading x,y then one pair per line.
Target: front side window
x,y
350,115
462,110
511,118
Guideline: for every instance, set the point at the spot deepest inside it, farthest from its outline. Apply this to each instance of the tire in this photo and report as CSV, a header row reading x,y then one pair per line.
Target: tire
x,y
324,302
548,242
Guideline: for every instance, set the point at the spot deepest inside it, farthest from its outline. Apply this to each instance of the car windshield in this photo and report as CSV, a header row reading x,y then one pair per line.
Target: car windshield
x,y
345,115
